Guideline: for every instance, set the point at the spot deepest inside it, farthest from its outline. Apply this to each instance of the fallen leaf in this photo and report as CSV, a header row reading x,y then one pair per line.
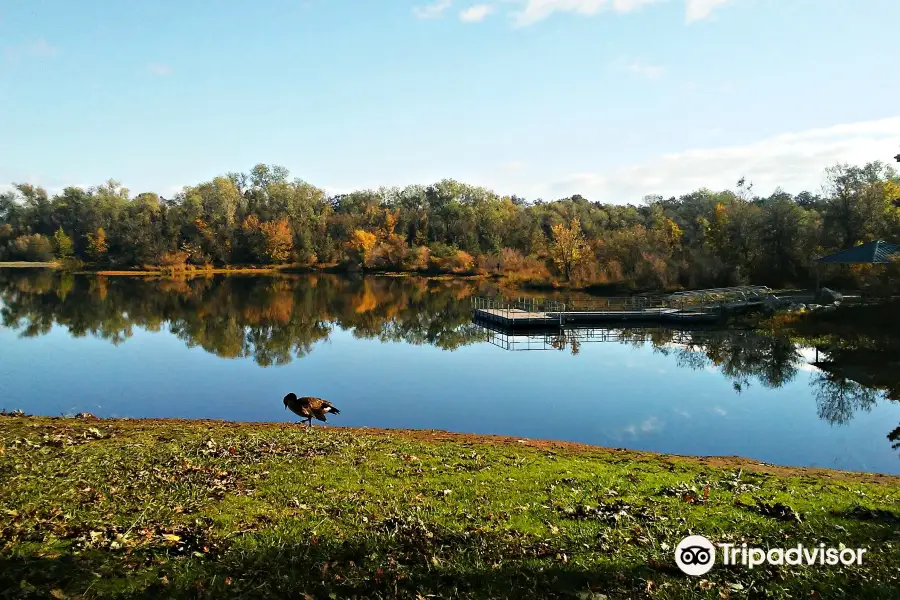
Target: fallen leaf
x,y
58,594
172,537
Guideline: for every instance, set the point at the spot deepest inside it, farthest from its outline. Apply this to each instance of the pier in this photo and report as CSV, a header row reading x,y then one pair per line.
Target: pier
x,y
696,306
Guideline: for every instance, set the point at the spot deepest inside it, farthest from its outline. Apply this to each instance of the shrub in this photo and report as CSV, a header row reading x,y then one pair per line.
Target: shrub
x,y
35,248
173,259
458,262
417,259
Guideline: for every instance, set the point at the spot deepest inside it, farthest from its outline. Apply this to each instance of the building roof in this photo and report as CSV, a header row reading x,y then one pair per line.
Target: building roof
x,y
872,252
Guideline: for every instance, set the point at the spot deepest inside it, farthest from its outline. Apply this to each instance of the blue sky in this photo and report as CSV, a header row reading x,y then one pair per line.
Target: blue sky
x,y
612,99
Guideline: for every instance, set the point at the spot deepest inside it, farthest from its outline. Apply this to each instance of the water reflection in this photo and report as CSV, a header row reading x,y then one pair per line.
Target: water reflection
x,y
271,319
276,320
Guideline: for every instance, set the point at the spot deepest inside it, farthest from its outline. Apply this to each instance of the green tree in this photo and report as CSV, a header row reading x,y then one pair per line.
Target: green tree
x,y
62,245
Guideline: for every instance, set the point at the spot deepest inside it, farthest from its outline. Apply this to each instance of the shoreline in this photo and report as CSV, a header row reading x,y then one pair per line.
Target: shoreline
x,y
438,436
216,509
509,279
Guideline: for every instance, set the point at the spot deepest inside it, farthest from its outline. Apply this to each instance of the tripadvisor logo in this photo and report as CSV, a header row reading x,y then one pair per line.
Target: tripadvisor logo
x,y
695,555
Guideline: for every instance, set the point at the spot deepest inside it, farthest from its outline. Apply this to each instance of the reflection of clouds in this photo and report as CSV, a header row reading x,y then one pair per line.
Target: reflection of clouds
x,y
719,410
682,413
808,356
649,425
652,424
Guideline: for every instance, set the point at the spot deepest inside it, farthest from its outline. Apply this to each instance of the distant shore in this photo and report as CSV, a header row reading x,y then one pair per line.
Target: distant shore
x,y
27,265
170,507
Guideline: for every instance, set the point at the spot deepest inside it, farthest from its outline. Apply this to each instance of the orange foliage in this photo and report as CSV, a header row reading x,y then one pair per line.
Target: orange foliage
x,y
278,240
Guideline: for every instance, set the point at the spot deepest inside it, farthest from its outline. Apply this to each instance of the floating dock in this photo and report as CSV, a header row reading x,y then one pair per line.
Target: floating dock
x,y
698,306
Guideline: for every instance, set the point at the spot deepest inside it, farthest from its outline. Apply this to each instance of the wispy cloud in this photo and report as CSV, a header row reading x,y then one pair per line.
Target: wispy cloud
x,y
161,70
697,10
719,411
433,10
39,48
538,10
513,165
794,161
529,12
476,13
642,69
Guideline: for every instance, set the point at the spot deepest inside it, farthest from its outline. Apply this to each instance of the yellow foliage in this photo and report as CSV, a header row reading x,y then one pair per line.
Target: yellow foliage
x,y
278,240
97,246
672,232
363,242
568,246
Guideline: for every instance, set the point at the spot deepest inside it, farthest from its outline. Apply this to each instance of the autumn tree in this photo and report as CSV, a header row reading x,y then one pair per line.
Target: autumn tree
x,y
96,244
278,241
362,243
567,246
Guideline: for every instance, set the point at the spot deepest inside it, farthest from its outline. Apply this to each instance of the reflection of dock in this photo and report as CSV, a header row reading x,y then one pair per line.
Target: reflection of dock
x,y
700,306
556,338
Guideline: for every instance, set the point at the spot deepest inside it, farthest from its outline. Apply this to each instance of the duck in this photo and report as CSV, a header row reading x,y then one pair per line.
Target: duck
x,y
309,407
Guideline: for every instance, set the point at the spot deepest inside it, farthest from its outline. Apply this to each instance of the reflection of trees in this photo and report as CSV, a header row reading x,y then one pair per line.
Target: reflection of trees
x,y
854,373
742,356
839,398
272,319
894,437
849,379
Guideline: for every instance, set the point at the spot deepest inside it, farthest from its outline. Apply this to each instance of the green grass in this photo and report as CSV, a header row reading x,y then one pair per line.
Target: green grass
x,y
176,509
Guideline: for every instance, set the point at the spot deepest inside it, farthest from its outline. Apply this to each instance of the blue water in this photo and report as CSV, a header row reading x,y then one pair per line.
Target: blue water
x,y
609,393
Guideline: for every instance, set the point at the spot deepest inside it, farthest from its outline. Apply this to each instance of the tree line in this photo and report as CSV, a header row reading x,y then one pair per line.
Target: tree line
x,y
701,239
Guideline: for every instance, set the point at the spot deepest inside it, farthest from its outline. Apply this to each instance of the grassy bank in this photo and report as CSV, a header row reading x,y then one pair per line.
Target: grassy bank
x,y
115,508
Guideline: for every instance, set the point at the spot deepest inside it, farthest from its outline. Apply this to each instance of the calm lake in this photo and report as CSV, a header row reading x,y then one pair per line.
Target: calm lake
x,y
404,353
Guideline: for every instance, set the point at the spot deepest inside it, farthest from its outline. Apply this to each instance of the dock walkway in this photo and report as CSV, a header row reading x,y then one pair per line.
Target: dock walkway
x,y
700,306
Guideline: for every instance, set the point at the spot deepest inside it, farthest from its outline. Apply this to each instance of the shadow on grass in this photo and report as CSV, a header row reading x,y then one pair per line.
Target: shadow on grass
x,y
404,557
377,564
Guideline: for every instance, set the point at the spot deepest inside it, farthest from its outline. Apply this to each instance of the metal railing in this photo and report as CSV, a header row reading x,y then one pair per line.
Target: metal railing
x,y
689,302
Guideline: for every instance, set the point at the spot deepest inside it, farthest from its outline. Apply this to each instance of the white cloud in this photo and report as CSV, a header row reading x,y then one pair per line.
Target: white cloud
x,y
513,165
697,10
793,161
538,10
37,49
720,411
643,70
161,70
432,10
475,13
532,11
